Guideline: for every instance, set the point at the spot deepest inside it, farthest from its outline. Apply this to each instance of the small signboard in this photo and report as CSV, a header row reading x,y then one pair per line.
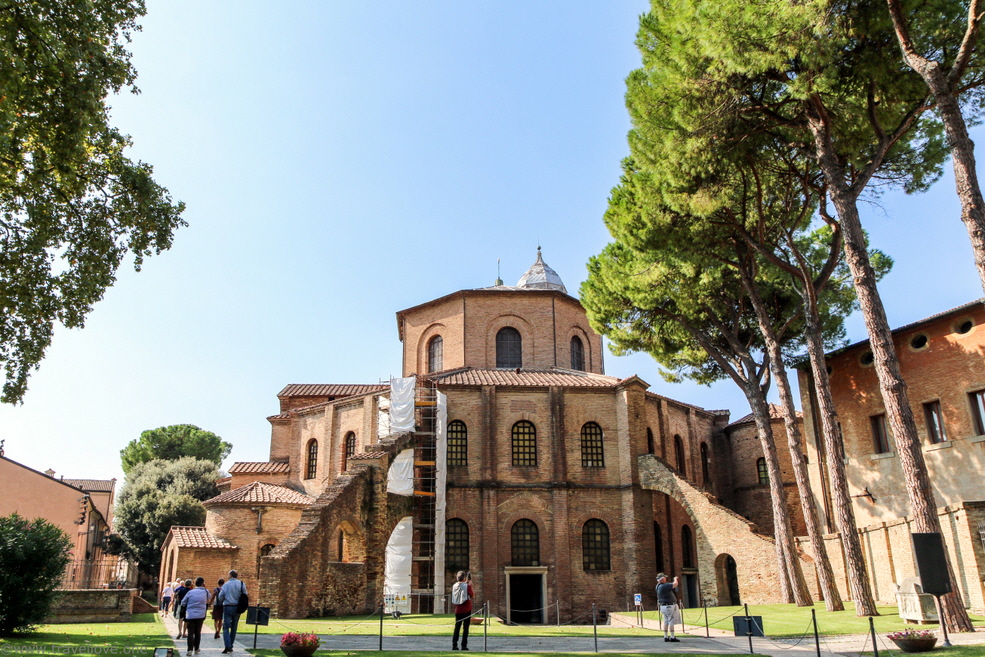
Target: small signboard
x,y
638,599
743,627
258,615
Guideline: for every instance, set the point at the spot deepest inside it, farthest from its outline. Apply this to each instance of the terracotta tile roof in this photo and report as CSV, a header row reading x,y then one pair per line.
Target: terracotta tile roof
x,y
258,492
330,389
504,377
260,467
367,455
197,537
776,413
279,416
93,485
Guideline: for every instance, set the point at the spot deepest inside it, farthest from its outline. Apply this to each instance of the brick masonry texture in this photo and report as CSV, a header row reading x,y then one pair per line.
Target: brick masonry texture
x,y
92,606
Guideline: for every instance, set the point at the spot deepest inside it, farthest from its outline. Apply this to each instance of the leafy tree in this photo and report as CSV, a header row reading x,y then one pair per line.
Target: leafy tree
x,y
33,557
72,205
157,495
174,442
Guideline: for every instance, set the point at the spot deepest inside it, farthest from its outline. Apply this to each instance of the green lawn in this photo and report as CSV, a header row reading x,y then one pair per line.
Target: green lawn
x,y
138,637
792,621
399,653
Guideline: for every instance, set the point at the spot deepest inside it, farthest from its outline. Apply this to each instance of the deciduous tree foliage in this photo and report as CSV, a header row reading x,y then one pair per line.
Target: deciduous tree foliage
x,y
72,204
174,442
157,495
33,557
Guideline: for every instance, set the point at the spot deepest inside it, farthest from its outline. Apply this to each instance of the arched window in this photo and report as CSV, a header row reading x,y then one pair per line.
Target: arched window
x,y
342,545
761,471
509,348
651,447
577,354
525,543
679,449
592,455
311,467
658,546
524,443
264,551
687,547
458,443
705,466
595,545
456,544
348,449
435,354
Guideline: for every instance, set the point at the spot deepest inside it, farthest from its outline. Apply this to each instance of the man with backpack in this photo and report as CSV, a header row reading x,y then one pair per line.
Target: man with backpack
x,y
231,595
461,596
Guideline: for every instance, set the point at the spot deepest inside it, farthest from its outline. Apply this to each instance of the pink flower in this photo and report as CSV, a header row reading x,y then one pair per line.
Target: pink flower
x,y
295,639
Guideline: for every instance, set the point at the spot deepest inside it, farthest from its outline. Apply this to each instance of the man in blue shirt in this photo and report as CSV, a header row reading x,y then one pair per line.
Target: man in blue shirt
x,y
667,600
229,597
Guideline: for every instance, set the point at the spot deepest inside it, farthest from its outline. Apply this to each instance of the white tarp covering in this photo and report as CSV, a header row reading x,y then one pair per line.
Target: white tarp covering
x,y
441,437
400,478
396,571
402,404
383,417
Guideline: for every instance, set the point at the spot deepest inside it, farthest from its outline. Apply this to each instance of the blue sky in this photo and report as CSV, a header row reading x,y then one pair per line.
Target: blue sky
x,y
342,161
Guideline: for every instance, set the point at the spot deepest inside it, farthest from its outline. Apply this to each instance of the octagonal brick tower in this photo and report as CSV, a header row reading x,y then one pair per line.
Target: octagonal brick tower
x,y
534,325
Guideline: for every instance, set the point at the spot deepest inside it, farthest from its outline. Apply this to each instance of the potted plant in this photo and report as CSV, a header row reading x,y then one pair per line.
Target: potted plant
x,y
293,644
914,640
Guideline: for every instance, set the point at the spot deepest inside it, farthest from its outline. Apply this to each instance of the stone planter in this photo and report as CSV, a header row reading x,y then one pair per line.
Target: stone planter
x,y
916,645
299,651
477,620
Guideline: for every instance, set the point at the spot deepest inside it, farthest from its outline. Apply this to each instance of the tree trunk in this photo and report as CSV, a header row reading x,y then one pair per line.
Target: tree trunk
x,y
962,147
781,516
922,505
859,584
832,598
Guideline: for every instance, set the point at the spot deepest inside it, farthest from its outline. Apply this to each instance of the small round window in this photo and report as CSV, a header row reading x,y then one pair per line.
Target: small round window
x,y
919,342
963,326
866,359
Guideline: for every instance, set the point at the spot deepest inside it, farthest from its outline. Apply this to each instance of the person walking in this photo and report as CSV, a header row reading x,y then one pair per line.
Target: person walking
x,y
667,600
216,607
195,604
179,594
462,596
229,596
166,596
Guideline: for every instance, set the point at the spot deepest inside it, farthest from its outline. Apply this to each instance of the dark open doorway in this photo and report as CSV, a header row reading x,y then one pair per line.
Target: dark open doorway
x,y
526,598
732,578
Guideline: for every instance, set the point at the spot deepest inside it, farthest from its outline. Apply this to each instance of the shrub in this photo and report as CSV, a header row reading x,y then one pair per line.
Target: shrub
x,y
33,556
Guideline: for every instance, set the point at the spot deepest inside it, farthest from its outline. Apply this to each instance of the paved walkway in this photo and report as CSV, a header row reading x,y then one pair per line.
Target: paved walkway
x,y
693,643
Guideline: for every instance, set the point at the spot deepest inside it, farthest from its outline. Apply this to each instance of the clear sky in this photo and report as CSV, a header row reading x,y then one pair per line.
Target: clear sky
x,y
342,161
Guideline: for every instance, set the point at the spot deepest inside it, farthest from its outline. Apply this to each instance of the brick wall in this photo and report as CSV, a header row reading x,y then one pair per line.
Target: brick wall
x,y
92,606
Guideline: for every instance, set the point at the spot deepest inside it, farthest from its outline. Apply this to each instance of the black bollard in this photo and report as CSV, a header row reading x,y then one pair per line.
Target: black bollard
x,y
817,640
595,628
485,627
705,605
749,627
381,625
872,630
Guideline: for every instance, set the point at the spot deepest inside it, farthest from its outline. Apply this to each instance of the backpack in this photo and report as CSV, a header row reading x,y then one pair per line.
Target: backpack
x,y
459,593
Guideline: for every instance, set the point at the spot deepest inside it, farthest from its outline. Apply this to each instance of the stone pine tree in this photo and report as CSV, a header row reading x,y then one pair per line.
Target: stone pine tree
x,y
174,442
691,316
72,204
817,78
939,40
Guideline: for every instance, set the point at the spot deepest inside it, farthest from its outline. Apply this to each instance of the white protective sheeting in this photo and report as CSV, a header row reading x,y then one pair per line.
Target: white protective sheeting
x,y
383,417
441,436
402,404
400,478
396,571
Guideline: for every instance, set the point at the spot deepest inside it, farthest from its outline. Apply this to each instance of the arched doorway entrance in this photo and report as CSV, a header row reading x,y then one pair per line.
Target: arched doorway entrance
x,y
727,575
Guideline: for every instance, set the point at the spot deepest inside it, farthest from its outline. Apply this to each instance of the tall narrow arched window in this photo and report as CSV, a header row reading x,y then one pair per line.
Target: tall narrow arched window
x,y
705,467
525,543
435,354
761,472
341,545
524,438
595,545
348,449
658,546
651,447
311,466
456,544
577,354
509,348
679,453
262,552
592,455
687,547
458,443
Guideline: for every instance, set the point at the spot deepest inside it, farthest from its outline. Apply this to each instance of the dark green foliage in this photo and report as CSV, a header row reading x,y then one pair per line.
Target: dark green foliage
x,y
157,495
174,442
33,557
72,205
